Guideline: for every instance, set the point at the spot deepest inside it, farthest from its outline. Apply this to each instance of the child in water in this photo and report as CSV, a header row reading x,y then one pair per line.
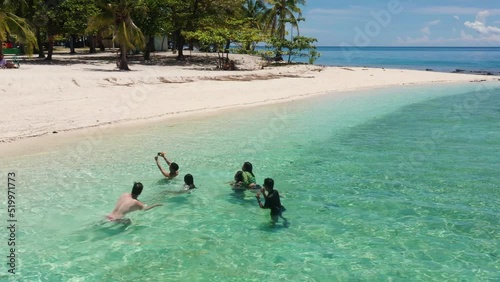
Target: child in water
x,y
188,186
245,179
188,182
271,201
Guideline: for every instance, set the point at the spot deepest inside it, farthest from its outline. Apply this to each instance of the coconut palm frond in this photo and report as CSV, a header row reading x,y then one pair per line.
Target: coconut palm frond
x,y
129,34
280,13
101,20
12,24
117,14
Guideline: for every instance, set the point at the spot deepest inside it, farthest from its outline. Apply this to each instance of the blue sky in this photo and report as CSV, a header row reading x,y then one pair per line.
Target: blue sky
x,y
402,22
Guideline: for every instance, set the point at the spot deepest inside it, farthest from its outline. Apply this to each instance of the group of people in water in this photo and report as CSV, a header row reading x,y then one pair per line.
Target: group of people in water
x,y
243,180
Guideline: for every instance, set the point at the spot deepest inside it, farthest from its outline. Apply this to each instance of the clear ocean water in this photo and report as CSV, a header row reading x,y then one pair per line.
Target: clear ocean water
x,y
443,59
393,184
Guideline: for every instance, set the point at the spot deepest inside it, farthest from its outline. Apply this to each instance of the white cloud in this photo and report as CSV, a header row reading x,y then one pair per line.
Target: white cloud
x,y
456,18
463,40
452,10
482,28
482,15
426,30
466,36
480,25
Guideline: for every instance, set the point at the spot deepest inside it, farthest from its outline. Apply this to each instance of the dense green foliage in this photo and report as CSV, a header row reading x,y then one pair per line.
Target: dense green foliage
x,y
208,25
296,47
118,13
13,25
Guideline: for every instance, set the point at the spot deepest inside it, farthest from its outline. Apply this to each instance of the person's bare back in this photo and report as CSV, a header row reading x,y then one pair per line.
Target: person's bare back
x,y
128,203
124,205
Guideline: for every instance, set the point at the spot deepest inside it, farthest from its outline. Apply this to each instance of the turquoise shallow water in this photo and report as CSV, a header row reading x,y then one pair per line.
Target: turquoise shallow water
x,y
391,184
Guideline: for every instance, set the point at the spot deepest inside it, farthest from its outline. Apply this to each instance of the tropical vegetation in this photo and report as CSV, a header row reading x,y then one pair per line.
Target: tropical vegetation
x,y
12,24
221,26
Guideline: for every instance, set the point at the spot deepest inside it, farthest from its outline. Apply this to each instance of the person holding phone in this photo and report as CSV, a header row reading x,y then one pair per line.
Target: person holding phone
x,y
173,168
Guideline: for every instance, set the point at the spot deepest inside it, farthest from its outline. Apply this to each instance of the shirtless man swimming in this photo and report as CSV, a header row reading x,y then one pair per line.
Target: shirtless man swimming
x,y
128,203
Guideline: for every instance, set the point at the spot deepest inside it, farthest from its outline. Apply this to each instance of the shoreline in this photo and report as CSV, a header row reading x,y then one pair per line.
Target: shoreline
x,y
41,101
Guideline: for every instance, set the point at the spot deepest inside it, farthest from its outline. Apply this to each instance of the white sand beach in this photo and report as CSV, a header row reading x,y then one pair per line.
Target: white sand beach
x,y
40,100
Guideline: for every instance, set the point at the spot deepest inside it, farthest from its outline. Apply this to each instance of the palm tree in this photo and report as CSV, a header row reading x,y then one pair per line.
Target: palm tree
x,y
281,13
10,24
118,14
254,11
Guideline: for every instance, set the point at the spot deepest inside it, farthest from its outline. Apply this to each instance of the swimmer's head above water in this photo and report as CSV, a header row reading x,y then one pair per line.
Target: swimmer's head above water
x,y
247,166
174,167
238,177
268,184
136,190
189,181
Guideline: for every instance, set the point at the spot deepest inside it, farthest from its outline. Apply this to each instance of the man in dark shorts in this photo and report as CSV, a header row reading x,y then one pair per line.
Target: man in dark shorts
x,y
272,200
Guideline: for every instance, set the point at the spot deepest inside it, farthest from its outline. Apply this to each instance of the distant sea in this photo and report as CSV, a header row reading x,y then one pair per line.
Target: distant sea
x,y
444,59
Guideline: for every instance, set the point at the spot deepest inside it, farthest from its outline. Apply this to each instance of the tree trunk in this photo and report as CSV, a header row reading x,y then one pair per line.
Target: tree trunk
x,y
1,47
279,55
92,49
51,48
150,47
152,41
41,53
179,39
123,58
72,41
99,42
220,60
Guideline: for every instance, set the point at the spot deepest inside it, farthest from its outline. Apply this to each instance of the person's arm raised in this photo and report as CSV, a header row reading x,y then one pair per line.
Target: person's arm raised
x,y
168,162
166,174
165,158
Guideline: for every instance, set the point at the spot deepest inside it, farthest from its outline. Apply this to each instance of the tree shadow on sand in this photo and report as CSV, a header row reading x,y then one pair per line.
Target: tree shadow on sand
x,y
193,62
